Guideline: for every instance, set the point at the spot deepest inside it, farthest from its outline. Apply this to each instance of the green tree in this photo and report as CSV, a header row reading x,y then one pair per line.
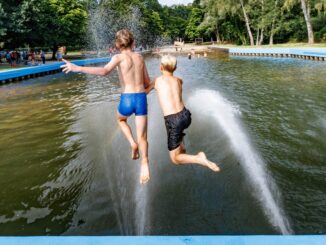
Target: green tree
x,y
306,6
275,16
45,23
213,14
196,17
175,20
153,25
8,19
69,23
2,21
261,13
238,8
319,21
244,7
217,18
237,19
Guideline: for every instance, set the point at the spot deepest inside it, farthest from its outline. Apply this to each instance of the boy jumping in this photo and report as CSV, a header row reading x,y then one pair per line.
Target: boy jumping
x,y
177,117
134,79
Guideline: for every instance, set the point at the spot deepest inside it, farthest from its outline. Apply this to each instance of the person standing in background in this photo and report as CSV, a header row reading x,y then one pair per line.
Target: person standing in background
x,y
43,56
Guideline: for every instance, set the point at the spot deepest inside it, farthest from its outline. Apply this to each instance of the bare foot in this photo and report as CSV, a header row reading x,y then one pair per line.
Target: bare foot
x,y
134,152
207,162
144,173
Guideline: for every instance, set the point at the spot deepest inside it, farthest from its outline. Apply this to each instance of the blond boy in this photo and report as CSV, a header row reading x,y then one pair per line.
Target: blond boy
x,y
177,117
134,79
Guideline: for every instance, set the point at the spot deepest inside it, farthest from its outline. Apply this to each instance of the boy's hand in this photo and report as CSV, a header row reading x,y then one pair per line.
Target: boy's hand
x,y
149,88
68,67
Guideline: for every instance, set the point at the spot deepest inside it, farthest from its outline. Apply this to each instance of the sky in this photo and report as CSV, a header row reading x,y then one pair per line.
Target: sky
x,y
171,2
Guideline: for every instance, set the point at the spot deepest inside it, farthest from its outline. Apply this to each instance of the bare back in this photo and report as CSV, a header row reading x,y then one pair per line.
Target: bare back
x,y
169,90
132,72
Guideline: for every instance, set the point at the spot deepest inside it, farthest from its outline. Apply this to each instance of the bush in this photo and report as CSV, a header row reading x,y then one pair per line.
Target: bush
x,y
321,35
319,26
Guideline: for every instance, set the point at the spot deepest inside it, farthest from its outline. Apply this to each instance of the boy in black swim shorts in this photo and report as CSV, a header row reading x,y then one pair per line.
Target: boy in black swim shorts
x,y
177,117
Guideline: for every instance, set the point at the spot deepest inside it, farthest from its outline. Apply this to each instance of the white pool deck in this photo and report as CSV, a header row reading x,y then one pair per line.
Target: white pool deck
x,y
304,52
319,52
171,240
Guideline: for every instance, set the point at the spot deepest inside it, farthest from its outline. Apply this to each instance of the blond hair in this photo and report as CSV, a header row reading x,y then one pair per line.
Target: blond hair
x,y
169,63
124,39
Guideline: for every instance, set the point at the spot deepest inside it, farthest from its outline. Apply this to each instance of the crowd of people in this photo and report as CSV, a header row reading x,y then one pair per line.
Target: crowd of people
x,y
32,58
14,57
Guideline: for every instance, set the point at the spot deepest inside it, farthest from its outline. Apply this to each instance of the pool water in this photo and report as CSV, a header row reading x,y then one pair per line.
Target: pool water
x,y
65,167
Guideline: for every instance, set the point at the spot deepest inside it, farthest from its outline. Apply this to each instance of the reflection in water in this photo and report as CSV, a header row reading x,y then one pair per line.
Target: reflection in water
x,y
66,170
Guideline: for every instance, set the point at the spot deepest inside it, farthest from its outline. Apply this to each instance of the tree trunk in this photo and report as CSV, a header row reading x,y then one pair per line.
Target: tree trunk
x,y
261,39
271,37
257,37
306,12
217,35
247,24
54,51
243,39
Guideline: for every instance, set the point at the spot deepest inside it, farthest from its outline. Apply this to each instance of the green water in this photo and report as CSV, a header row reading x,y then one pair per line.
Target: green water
x,y
65,167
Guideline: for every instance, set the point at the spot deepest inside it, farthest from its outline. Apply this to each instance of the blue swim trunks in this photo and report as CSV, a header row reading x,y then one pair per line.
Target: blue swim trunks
x,y
133,103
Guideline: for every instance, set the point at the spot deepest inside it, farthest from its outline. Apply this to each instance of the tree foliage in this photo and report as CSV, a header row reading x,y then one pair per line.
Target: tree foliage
x,y
196,17
265,20
175,20
2,21
94,22
44,22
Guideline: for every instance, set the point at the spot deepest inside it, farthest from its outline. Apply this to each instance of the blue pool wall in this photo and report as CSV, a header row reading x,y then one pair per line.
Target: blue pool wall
x,y
160,240
41,70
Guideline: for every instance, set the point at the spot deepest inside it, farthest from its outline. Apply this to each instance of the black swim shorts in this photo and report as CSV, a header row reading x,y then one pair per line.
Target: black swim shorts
x,y
175,124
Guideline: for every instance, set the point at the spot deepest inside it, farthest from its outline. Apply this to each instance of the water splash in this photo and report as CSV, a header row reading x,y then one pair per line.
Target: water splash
x,y
104,22
213,104
106,146
141,209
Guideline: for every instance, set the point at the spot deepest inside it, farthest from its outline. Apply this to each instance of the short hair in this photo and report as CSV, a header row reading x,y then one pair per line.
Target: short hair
x,y
124,39
169,62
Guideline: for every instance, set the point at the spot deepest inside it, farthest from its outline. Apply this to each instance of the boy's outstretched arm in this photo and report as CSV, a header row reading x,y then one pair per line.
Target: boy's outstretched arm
x,y
101,71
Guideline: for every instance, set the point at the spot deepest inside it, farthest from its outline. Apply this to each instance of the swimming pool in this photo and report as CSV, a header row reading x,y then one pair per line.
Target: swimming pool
x,y
65,167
